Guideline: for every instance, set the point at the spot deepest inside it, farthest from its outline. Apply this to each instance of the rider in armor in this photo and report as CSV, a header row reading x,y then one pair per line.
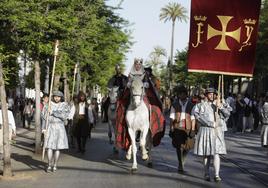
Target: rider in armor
x,y
119,80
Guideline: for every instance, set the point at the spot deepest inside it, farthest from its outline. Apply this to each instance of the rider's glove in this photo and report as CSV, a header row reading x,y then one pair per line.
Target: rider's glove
x,y
146,84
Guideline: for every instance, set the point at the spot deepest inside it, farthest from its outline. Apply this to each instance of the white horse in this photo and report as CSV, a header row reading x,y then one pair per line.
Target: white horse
x,y
137,118
113,95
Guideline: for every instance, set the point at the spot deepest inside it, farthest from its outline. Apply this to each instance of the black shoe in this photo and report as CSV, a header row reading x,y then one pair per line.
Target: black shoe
x,y
207,177
180,170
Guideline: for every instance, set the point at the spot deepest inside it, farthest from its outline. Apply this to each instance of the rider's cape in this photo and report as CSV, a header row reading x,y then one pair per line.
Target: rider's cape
x,y
157,120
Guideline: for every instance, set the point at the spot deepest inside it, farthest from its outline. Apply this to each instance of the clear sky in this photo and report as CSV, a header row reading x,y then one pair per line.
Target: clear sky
x,y
148,31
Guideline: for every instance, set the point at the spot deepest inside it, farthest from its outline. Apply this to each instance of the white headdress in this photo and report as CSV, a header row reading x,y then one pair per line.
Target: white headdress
x,y
134,72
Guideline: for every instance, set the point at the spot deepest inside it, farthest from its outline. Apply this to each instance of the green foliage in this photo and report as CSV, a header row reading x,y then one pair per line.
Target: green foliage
x,y
156,62
10,67
89,33
182,76
261,67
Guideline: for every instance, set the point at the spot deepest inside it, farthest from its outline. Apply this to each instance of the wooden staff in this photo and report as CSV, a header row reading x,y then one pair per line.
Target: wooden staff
x,y
56,51
216,114
75,71
222,87
219,88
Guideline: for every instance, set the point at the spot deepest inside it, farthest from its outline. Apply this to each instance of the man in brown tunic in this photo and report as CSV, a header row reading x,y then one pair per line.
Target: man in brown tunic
x,y
182,126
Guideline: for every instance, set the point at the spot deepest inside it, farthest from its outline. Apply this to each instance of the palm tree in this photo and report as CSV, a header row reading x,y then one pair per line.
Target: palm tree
x,y
173,11
156,58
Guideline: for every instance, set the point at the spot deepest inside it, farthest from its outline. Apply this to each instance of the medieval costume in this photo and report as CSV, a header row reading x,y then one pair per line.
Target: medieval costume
x,y
210,137
119,80
55,134
152,101
264,120
82,121
154,80
182,126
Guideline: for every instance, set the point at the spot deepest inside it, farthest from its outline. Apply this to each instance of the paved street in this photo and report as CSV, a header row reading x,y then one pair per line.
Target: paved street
x,y
245,166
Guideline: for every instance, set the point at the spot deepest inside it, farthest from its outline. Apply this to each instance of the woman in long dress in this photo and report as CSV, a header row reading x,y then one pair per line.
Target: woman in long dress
x,y
55,134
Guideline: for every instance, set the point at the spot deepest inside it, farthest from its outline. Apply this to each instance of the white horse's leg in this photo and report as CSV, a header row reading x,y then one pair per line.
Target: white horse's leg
x,y
134,148
143,143
129,152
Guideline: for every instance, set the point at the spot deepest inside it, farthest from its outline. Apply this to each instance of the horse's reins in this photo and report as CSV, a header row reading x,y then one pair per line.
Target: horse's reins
x,y
141,95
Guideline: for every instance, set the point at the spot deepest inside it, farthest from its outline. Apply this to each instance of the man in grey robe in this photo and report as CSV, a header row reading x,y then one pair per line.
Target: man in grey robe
x,y
211,116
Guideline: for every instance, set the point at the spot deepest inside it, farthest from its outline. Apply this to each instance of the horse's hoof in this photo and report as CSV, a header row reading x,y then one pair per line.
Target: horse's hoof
x,y
145,157
132,170
150,165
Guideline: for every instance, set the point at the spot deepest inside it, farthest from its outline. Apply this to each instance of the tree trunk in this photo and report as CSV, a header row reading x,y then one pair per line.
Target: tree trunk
x,y
46,89
239,85
56,85
84,88
7,171
172,43
66,88
171,56
37,73
78,80
24,74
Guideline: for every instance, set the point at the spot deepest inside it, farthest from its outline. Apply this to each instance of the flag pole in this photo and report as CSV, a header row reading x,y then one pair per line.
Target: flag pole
x,y
222,88
219,92
56,51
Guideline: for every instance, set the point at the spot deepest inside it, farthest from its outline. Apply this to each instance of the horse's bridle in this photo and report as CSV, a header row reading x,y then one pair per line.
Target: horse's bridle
x,y
114,103
141,95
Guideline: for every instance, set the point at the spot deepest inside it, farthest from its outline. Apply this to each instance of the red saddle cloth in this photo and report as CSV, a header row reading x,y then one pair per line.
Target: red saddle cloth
x,y
157,120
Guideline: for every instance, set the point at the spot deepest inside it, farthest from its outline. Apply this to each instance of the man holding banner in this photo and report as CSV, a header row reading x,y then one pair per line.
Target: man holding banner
x,y
223,35
211,117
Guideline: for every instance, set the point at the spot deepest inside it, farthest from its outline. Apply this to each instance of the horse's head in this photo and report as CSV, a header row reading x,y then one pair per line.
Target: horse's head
x,y
113,94
137,92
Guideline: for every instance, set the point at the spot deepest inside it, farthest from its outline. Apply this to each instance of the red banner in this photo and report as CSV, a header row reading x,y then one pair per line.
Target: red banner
x,y
223,36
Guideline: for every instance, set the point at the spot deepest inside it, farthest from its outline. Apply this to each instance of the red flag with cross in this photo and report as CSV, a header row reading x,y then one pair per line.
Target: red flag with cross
x,y
223,35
